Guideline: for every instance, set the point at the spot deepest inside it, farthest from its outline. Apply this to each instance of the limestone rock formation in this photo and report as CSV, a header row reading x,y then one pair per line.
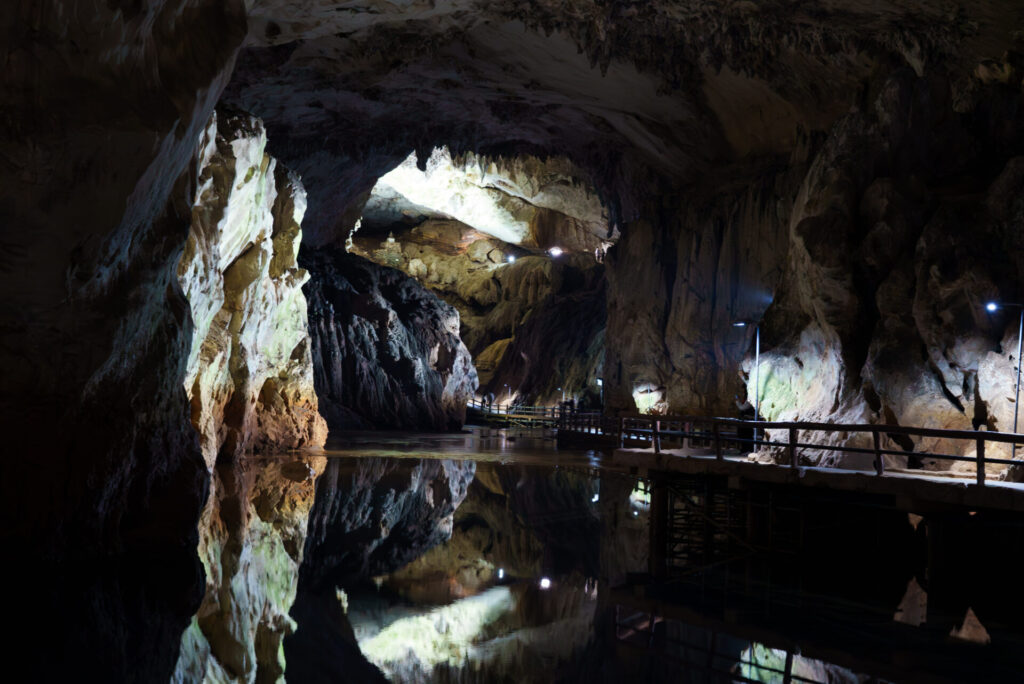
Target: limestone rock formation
x,y
524,200
535,325
250,381
868,261
386,351
250,371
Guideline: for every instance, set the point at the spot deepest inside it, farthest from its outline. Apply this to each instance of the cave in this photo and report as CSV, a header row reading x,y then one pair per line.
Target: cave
x,y
524,340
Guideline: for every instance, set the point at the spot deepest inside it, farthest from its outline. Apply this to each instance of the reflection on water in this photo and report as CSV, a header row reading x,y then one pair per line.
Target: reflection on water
x,y
491,556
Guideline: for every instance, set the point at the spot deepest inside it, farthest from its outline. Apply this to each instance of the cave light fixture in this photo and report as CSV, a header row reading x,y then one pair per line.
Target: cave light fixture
x,y
992,307
501,573
555,252
511,258
545,583
757,371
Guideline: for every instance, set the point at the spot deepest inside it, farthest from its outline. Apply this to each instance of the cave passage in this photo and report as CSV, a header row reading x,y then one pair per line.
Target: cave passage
x,y
258,259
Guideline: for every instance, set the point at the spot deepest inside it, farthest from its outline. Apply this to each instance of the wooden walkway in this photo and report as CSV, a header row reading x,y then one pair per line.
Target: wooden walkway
x,y
729,437
513,414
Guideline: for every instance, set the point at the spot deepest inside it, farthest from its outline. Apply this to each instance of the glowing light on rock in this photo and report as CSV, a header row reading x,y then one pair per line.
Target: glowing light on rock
x,y
647,397
545,583
452,191
594,498
511,259
991,306
501,573
555,251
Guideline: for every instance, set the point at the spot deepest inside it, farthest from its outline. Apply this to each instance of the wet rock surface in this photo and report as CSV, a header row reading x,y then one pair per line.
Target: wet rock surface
x,y
386,351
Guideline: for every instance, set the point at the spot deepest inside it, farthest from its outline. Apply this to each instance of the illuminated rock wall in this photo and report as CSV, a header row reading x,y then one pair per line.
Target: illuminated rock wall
x,y
250,374
250,383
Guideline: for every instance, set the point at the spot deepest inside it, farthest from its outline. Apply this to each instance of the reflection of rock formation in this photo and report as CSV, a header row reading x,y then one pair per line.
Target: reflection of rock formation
x,y
372,516
518,633
527,521
387,352
252,537
517,524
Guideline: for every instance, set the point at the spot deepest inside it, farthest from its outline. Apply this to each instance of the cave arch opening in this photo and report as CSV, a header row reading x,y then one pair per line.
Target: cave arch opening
x,y
516,245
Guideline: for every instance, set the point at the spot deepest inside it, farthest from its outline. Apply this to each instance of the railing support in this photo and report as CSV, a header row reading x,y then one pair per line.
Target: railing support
x,y
793,460
656,437
879,461
718,441
622,432
981,462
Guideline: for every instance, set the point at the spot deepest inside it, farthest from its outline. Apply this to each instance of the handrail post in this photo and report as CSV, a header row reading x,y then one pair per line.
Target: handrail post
x,y
718,442
791,447
656,436
981,462
622,431
879,462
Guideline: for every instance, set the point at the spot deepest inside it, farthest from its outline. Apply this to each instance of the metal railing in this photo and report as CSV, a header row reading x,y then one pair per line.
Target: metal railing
x,y
550,413
728,434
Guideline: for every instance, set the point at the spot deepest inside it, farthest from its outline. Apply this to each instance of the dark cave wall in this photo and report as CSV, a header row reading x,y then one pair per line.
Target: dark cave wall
x,y
386,351
102,479
868,260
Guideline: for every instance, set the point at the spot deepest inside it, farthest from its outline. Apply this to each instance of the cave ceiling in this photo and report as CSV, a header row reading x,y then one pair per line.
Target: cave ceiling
x,y
627,90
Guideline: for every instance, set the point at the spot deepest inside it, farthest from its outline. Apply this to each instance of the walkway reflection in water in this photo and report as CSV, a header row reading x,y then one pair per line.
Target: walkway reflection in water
x,y
546,576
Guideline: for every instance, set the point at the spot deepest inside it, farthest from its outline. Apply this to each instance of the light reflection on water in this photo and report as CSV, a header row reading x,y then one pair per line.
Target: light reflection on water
x,y
449,612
